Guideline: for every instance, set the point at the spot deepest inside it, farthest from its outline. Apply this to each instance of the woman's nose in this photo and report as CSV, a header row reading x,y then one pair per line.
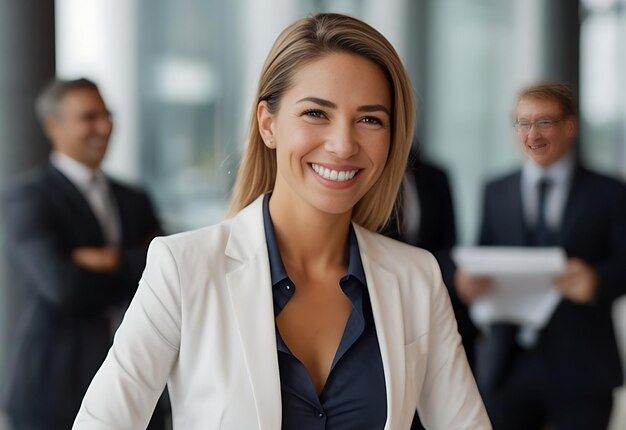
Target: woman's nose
x,y
342,141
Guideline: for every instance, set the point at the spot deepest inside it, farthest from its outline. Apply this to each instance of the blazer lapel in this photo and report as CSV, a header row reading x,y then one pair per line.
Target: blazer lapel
x,y
575,203
515,214
249,286
384,292
123,210
77,202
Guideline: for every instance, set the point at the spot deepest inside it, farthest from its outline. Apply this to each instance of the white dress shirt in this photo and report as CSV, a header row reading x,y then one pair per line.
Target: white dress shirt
x,y
560,176
94,186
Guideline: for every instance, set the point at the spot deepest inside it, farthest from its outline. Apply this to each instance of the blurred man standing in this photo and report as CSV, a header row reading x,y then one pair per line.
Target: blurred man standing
x,y
426,219
77,240
564,374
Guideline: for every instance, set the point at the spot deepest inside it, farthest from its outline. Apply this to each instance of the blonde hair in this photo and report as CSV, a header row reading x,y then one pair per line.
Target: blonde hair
x,y
300,44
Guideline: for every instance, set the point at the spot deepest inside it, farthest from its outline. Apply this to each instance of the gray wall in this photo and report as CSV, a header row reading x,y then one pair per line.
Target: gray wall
x,y
27,62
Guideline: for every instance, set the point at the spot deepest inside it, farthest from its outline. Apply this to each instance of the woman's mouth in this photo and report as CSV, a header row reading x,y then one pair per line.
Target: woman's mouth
x,y
334,175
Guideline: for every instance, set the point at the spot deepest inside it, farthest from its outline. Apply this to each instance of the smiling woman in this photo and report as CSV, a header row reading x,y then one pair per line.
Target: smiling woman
x,y
344,131
298,46
294,313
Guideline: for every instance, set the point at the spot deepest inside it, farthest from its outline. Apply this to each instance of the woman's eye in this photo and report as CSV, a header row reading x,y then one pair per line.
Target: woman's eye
x,y
371,120
314,113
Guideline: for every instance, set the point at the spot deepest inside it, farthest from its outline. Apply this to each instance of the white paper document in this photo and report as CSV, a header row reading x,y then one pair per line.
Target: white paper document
x,y
523,291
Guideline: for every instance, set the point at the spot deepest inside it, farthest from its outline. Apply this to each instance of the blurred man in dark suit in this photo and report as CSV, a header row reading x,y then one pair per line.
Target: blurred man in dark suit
x,y
426,219
77,241
564,374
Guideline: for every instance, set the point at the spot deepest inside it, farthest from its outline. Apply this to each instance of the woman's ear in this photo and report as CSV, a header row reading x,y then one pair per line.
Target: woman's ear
x,y
266,124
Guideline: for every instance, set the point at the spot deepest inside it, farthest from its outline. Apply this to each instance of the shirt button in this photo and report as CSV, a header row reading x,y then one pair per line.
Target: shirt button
x,y
320,414
288,287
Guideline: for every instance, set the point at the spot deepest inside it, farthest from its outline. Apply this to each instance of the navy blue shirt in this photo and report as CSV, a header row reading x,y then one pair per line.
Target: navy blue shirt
x,y
354,396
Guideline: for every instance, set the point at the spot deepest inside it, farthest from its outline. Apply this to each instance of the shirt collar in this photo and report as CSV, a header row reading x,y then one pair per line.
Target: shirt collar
x,y
277,268
79,174
559,173
355,265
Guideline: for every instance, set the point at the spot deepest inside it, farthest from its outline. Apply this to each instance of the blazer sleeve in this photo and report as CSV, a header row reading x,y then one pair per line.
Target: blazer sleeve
x,y
450,397
447,234
40,255
133,255
125,390
612,270
485,236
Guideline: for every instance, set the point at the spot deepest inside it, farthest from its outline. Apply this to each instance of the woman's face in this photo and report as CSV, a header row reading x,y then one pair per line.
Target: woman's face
x,y
331,133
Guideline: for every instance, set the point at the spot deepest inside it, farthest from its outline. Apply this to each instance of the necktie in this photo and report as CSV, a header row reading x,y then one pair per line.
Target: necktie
x,y
542,233
541,236
102,205
104,208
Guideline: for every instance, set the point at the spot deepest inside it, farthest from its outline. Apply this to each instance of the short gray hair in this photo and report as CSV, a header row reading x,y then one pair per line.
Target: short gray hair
x,y
560,93
48,100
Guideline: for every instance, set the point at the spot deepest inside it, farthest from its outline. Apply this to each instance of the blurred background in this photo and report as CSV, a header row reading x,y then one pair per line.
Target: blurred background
x,y
179,77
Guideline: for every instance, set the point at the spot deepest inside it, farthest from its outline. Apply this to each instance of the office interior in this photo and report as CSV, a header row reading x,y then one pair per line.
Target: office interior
x,y
179,77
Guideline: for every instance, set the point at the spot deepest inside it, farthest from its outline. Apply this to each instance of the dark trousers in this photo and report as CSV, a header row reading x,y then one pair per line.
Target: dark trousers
x,y
529,399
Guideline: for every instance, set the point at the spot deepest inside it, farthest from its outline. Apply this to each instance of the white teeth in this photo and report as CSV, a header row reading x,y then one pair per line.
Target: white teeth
x,y
334,175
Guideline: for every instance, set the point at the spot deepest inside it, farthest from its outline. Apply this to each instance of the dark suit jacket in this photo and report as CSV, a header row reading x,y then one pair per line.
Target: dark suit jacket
x,y
437,234
64,332
578,343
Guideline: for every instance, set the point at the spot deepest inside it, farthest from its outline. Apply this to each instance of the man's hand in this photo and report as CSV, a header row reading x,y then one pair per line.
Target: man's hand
x,y
469,287
97,259
579,282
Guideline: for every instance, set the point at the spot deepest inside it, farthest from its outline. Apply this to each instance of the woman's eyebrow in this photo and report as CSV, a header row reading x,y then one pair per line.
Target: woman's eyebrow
x,y
331,105
373,108
321,102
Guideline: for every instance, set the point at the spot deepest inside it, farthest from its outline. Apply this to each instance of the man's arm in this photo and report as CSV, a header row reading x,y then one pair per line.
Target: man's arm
x,y
603,281
40,254
105,259
612,272
447,231
132,256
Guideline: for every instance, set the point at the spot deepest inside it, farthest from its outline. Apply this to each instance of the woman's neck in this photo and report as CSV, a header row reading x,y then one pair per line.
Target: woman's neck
x,y
308,239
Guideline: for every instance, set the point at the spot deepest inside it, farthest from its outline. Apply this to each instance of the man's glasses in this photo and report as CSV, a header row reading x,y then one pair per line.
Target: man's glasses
x,y
540,124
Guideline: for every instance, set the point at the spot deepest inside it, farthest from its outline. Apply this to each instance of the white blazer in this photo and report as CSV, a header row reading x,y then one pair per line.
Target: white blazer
x,y
203,321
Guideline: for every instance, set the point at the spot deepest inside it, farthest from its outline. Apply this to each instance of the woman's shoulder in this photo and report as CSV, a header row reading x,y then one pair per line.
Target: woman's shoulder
x,y
234,237
213,237
393,253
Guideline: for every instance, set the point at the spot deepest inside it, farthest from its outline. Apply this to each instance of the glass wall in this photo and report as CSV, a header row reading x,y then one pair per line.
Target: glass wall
x,y
603,85
189,76
478,54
